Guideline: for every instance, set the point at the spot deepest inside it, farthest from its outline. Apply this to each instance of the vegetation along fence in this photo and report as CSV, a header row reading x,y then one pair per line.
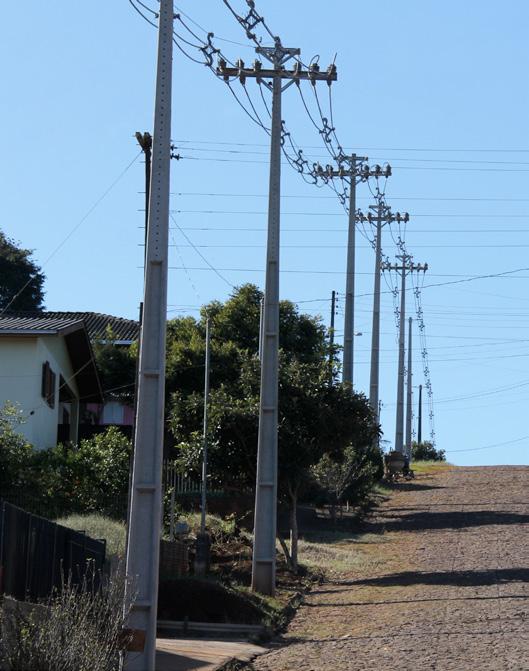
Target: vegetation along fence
x,y
37,555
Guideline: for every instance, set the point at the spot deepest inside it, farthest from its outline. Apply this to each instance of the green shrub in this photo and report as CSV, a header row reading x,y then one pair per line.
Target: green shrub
x,y
15,452
427,452
90,477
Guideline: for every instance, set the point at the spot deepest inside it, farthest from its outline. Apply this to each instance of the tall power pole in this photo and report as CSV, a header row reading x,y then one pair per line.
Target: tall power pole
x,y
264,551
383,216
409,410
357,171
419,418
405,267
145,514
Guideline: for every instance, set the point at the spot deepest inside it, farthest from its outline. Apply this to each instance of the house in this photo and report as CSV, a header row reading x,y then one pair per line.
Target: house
x,y
113,410
47,367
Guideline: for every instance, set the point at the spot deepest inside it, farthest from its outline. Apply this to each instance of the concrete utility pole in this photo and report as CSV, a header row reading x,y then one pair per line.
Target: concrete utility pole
x,y
383,216
264,554
409,410
146,498
419,418
357,171
406,266
331,336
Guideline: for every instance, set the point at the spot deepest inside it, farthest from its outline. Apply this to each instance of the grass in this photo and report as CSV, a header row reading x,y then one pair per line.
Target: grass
x,y
98,526
425,467
335,552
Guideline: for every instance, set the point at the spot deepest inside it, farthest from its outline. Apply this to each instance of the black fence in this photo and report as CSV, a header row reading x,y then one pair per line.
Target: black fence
x,y
37,555
55,505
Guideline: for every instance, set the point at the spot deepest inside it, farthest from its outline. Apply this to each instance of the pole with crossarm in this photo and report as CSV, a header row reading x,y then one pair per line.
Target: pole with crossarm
x,y
405,267
277,79
380,214
357,171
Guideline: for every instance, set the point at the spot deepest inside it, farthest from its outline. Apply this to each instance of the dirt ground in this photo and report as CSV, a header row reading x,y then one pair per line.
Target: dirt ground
x,y
443,583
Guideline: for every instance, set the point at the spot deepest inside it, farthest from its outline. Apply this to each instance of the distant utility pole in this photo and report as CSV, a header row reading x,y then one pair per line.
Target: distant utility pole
x,y
405,267
383,216
202,553
145,515
409,410
357,171
205,430
331,337
264,554
419,418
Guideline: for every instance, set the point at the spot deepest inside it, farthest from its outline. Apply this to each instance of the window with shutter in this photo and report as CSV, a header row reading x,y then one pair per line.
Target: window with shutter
x,y
48,384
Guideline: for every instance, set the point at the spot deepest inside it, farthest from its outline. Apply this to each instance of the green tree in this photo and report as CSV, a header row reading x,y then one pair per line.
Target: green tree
x,y
315,418
426,451
21,279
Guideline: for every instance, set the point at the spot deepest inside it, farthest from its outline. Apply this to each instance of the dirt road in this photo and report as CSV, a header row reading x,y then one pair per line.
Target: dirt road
x,y
447,587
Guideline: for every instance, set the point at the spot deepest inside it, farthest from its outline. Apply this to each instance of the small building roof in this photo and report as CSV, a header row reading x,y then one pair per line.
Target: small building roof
x,y
77,343
125,331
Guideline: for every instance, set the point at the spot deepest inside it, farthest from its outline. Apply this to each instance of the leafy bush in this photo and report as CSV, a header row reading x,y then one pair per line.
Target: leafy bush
x,y
75,630
349,478
92,477
15,452
427,452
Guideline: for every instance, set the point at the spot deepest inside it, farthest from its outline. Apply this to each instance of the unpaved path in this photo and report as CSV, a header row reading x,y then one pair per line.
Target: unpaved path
x,y
450,592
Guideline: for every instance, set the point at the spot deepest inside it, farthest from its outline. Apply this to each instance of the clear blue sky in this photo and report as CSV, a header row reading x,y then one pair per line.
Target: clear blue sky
x,y
437,89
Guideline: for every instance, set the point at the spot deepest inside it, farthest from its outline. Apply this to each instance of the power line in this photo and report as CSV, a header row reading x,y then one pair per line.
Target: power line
x,y
399,167
351,149
340,214
487,447
312,196
215,270
373,158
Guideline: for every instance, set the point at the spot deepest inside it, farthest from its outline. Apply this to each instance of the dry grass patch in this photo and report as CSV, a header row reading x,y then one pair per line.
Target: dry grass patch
x,y
99,527
338,552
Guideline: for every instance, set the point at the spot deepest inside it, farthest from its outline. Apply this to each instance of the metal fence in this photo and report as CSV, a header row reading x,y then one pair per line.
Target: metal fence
x,y
175,481
37,555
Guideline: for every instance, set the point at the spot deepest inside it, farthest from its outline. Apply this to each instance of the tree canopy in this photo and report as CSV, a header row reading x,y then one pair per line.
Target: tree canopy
x,y
21,279
317,418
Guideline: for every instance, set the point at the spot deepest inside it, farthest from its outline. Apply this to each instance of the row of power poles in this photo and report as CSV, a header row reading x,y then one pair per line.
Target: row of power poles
x,y
145,508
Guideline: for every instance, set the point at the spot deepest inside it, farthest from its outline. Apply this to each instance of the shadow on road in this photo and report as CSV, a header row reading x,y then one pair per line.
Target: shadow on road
x,y
458,578
420,521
